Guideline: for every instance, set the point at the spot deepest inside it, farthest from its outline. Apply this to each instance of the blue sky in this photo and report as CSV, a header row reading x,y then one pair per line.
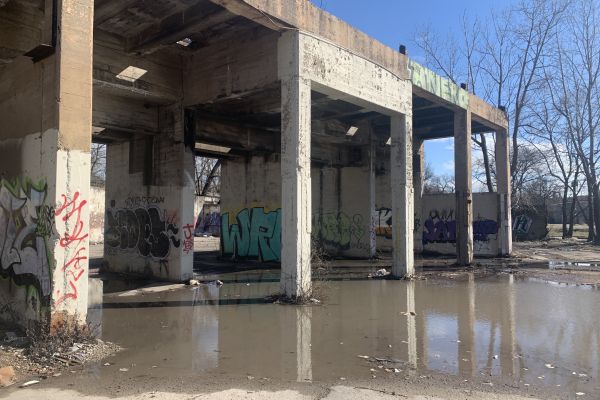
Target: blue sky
x,y
394,22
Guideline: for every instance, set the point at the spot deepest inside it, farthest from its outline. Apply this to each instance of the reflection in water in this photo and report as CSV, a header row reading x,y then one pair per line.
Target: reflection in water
x,y
494,326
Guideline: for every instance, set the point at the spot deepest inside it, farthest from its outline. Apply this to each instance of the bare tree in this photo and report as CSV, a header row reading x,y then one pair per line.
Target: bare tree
x,y
208,176
576,96
98,164
556,148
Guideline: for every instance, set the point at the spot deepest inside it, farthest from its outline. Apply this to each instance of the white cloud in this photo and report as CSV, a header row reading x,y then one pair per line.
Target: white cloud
x,y
448,166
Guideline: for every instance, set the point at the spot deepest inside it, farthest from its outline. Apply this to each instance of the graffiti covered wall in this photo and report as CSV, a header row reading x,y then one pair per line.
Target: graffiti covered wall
x,y
26,228
148,229
437,227
251,213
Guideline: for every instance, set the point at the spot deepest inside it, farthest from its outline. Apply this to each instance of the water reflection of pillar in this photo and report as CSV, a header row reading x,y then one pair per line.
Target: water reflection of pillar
x,y
411,326
467,360
303,343
509,361
423,360
205,328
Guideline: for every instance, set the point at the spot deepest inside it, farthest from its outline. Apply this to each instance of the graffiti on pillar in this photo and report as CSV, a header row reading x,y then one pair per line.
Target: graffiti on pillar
x,y
339,230
383,222
522,224
208,223
26,224
188,238
74,242
440,227
148,230
253,234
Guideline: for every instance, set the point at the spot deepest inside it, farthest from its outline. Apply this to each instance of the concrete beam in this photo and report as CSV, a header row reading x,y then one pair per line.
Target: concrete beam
x,y
463,184
486,114
402,196
295,169
174,28
304,15
232,67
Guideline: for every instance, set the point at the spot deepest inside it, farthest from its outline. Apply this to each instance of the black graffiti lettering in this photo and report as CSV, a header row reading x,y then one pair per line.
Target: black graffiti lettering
x,y
144,229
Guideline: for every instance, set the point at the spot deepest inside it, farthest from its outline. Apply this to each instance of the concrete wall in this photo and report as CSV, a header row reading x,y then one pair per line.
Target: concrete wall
x,y
251,209
437,226
149,226
97,211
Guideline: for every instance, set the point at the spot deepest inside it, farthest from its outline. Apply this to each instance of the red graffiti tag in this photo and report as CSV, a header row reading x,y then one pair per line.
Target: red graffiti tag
x,y
74,266
76,235
188,243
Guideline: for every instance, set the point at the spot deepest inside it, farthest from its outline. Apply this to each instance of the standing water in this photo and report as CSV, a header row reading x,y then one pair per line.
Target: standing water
x,y
520,332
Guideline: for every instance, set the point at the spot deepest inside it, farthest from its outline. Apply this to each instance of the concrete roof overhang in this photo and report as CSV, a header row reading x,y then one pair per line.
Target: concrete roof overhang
x,y
434,98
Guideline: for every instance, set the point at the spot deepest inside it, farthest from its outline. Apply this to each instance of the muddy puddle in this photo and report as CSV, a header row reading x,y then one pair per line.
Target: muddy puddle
x,y
495,328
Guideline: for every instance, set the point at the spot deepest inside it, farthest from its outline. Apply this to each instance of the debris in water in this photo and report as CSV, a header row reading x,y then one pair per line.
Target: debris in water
x,y
550,366
364,357
495,357
194,282
379,273
123,369
409,313
580,394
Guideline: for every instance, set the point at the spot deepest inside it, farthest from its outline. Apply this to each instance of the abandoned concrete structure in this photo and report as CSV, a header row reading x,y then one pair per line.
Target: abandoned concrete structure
x,y
319,126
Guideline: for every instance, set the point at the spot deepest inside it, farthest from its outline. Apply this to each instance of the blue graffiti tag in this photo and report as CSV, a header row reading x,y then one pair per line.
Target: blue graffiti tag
x,y
255,235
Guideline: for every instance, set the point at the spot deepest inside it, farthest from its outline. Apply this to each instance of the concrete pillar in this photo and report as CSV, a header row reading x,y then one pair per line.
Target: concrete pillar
x,y
150,203
295,169
45,137
418,183
373,214
504,192
402,196
463,183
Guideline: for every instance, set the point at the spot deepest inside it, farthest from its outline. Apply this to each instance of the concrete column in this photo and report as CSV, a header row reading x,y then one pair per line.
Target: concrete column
x,y
418,177
46,114
373,216
402,196
295,169
149,228
504,192
463,183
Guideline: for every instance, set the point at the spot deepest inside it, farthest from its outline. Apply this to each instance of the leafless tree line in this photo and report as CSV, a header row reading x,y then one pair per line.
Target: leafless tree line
x,y
540,59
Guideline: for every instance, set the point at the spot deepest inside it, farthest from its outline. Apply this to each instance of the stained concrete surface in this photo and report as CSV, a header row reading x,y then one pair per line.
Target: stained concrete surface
x,y
486,336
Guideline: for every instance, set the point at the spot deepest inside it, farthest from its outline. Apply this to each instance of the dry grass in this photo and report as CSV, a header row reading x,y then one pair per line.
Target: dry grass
x,y
579,231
